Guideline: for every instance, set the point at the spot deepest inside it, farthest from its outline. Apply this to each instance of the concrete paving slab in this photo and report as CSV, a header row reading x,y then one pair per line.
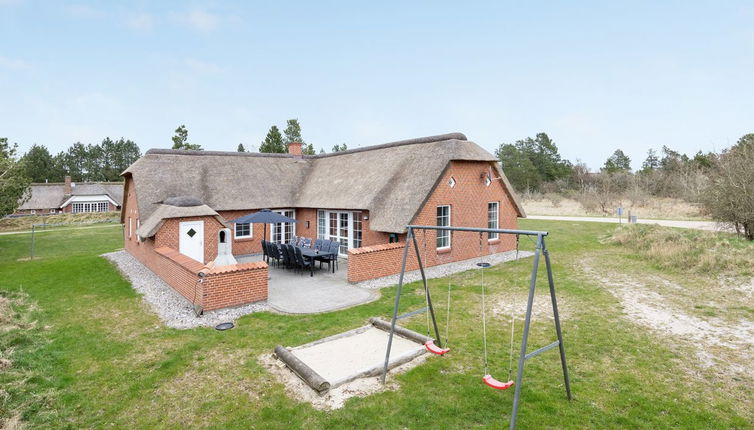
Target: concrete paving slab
x,y
295,293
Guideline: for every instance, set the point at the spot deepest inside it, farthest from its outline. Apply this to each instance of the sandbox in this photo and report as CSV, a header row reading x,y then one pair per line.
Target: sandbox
x,y
332,361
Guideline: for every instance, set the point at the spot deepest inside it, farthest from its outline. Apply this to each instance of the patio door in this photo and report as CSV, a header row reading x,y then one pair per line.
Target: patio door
x,y
342,227
282,233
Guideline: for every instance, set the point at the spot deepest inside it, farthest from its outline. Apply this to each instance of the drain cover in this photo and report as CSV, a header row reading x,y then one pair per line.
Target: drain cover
x,y
224,326
484,265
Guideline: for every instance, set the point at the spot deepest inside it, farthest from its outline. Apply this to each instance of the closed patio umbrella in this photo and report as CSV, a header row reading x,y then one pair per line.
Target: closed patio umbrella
x,y
265,216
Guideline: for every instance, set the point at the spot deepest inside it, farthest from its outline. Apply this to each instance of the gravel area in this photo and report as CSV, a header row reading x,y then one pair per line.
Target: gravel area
x,y
443,270
172,308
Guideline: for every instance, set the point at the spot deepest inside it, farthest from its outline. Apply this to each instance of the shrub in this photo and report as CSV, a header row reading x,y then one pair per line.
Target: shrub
x,y
687,250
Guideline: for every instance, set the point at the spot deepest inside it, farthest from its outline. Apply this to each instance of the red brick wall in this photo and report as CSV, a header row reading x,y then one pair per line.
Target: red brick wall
x,y
468,201
376,261
222,287
167,235
235,285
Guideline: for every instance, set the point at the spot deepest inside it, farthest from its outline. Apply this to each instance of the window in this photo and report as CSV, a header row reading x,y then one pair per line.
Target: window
x,y
493,214
130,227
33,212
443,220
82,207
283,232
452,182
356,230
243,230
52,211
321,225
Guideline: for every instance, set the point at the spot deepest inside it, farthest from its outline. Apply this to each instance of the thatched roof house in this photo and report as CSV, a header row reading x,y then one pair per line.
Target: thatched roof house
x,y
68,196
180,205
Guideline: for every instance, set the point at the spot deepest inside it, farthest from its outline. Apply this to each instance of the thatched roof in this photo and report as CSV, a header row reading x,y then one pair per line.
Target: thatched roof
x,y
154,221
52,195
44,196
391,180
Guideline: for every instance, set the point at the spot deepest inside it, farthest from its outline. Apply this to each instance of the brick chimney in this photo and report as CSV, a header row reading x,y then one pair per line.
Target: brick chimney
x,y
67,187
294,148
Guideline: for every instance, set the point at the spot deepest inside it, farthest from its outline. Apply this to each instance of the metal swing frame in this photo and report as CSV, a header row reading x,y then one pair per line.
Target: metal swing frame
x,y
541,249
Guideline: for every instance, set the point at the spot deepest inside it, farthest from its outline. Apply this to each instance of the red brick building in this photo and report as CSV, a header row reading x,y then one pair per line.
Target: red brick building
x,y
177,205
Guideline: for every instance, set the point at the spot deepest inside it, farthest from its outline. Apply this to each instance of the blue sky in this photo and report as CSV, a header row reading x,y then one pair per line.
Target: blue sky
x,y
596,76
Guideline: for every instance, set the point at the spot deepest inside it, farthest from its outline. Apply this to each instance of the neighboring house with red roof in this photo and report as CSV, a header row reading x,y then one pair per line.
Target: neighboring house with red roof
x,y
178,205
71,197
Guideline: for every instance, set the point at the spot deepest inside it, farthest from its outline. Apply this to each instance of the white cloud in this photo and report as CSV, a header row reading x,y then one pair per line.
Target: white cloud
x,y
201,20
13,64
142,21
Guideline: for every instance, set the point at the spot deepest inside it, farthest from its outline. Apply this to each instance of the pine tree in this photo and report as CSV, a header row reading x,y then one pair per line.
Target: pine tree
x,y
241,148
273,142
180,140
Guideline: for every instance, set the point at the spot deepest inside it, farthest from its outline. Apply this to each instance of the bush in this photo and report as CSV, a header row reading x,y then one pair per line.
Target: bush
x,y
729,196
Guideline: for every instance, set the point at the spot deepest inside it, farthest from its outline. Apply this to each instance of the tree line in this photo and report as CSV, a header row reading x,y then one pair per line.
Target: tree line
x,y
274,142
103,162
722,184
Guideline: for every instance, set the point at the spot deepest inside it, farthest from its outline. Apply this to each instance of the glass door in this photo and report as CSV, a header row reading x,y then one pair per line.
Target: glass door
x,y
340,223
282,232
342,227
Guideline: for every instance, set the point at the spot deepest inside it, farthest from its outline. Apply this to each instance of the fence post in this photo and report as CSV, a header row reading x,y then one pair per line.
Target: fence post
x,y
32,242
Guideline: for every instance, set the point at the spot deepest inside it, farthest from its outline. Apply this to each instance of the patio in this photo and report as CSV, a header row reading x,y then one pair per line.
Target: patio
x,y
295,293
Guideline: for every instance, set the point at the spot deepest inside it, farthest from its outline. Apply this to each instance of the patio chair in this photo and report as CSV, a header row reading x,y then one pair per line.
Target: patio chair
x,y
274,253
286,254
318,244
333,247
294,240
301,262
307,243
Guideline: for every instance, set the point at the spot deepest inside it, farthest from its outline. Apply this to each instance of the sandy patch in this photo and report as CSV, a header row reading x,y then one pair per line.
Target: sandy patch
x,y
504,306
356,353
336,397
718,343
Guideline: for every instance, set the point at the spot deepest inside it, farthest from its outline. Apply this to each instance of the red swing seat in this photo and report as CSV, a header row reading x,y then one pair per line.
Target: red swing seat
x,y
434,349
494,383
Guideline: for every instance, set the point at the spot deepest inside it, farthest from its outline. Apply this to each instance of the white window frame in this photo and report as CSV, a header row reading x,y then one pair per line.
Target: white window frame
x,y
443,234
33,212
354,228
243,236
490,219
288,231
130,227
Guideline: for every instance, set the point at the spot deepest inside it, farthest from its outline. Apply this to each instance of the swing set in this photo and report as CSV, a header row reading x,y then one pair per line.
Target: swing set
x,y
436,345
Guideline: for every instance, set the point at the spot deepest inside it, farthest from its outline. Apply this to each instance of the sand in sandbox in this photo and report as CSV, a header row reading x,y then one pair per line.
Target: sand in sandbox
x,y
339,359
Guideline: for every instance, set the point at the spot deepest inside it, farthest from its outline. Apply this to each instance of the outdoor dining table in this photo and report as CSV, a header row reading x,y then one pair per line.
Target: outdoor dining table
x,y
311,253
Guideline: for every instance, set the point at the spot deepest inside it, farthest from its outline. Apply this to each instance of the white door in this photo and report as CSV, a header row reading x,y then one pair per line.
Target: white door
x,y
340,230
191,240
283,232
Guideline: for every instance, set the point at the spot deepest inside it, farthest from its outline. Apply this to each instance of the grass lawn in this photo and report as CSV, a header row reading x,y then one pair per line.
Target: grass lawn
x,y
79,349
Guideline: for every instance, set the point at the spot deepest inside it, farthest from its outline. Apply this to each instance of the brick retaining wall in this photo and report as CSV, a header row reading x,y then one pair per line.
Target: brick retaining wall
x,y
222,287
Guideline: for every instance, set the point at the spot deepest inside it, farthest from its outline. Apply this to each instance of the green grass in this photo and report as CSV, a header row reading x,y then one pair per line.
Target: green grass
x,y
97,357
